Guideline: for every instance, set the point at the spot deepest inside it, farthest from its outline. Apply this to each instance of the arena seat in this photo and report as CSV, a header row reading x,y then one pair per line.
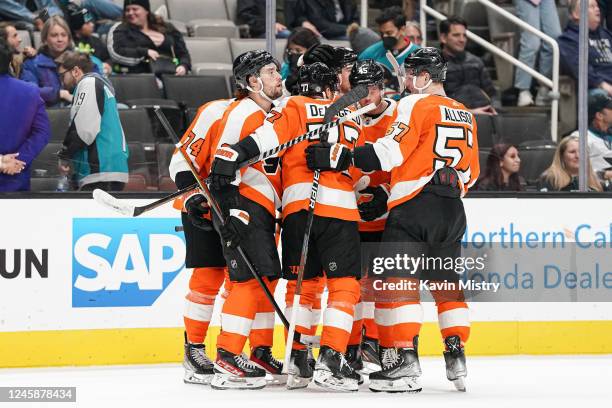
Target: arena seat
x,y
210,56
534,161
191,91
187,10
516,128
135,86
45,164
137,162
242,45
43,183
206,27
487,136
136,182
136,125
164,154
59,119
482,158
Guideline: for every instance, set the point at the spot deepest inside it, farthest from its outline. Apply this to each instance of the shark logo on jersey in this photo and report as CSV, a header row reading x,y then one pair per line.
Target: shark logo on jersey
x,y
124,262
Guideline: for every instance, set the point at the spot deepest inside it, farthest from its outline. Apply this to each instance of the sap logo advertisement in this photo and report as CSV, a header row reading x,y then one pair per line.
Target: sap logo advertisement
x,y
124,262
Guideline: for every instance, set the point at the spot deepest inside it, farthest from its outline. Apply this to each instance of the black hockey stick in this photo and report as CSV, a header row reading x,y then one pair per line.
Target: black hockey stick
x,y
217,212
344,102
121,206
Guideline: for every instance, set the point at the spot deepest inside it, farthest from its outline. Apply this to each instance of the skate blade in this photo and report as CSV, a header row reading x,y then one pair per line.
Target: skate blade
x,y
195,378
276,379
326,379
220,382
369,368
406,384
459,384
295,382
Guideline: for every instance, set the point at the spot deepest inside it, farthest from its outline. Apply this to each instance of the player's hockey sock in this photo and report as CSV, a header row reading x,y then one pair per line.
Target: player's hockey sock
x,y
304,313
454,320
398,323
262,332
199,302
338,316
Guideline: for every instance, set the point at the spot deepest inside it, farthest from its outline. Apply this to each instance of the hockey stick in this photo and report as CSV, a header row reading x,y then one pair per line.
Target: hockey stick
x,y
350,98
123,207
315,132
398,71
217,212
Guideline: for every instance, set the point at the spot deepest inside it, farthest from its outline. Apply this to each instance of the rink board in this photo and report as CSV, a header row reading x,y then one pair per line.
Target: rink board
x,y
81,285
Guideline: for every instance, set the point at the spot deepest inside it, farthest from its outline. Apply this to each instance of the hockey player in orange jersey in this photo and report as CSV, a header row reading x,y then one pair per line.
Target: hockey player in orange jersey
x,y
334,245
372,192
249,207
432,152
203,244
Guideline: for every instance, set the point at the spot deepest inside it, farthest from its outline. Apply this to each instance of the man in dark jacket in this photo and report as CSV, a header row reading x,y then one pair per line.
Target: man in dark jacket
x,y
467,79
330,17
253,14
600,48
24,127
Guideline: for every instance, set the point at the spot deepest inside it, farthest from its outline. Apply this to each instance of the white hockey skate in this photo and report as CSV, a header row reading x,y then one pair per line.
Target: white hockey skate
x,y
198,367
236,372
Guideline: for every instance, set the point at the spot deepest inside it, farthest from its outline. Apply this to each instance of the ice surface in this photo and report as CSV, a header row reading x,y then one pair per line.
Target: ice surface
x,y
509,381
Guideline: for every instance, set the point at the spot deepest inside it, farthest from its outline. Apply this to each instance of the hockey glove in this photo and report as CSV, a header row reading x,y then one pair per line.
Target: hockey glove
x,y
197,206
377,206
326,157
236,228
224,166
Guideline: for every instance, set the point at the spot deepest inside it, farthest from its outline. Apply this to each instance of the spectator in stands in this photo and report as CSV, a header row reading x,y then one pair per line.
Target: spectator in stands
x,y
295,13
143,43
467,79
502,170
94,148
82,28
24,126
42,70
600,48
330,17
542,15
600,134
392,28
413,32
17,10
562,175
9,34
253,13
300,40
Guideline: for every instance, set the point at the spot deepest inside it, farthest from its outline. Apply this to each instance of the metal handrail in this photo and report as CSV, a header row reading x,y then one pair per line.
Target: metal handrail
x,y
554,83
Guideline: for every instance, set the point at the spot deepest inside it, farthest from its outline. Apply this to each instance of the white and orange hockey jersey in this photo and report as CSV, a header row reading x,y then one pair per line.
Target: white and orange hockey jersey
x,y
260,182
197,141
429,133
295,116
373,129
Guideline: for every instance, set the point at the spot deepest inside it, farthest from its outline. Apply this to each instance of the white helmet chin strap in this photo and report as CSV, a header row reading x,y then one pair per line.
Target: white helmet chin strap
x,y
261,91
421,89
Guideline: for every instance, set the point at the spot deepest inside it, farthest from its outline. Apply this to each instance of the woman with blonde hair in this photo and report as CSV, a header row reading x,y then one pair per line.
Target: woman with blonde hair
x,y
42,70
562,175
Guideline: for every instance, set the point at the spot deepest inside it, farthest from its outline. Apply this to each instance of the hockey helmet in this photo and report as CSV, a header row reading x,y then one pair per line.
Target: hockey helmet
x,y
314,78
427,59
345,56
366,72
250,63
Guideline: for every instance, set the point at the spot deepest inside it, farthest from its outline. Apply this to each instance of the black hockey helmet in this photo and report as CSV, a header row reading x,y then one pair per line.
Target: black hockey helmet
x,y
366,72
314,78
427,59
334,57
249,63
345,56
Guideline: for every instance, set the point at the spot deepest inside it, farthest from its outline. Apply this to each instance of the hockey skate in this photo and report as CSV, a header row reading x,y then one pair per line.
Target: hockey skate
x,y
262,357
333,372
353,358
300,371
369,355
235,371
454,356
400,371
198,367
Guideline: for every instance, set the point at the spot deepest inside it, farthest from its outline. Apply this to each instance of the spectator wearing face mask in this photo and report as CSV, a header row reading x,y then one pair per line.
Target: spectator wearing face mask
x,y
600,134
502,170
392,28
300,40
467,79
